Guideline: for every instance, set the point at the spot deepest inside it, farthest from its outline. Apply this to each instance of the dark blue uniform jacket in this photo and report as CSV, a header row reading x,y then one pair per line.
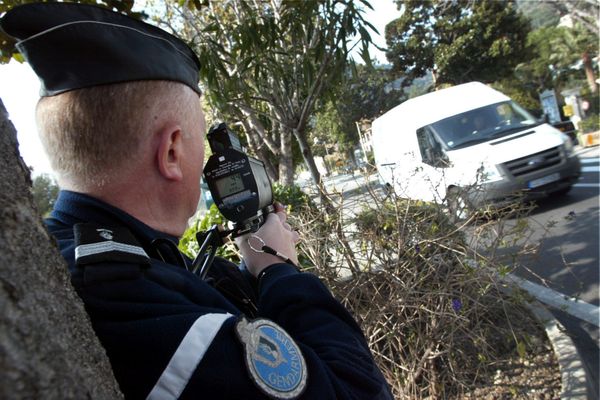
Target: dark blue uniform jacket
x,y
169,334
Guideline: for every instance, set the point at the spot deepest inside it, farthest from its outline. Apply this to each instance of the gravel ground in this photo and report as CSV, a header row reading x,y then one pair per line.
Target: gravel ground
x,y
536,378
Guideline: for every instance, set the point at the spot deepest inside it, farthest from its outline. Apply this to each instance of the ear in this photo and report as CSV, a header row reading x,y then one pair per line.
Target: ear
x,y
169,153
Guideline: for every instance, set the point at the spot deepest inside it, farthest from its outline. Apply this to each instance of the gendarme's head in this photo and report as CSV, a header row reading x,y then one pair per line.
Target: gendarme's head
x,y
110,87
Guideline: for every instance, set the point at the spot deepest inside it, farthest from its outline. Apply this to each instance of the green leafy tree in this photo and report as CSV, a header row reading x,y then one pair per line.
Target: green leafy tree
x,y
561,47
585,12
459,41
365,94
327,130
540,13
266,64
581,44
525,94
45,191
541,69
555,51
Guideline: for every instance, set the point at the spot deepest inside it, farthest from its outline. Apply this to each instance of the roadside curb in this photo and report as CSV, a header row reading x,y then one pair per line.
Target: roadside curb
x,y
583,151
572,370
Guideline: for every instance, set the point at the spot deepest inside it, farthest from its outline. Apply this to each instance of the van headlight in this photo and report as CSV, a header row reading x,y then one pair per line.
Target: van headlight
x,y
568,144
489,173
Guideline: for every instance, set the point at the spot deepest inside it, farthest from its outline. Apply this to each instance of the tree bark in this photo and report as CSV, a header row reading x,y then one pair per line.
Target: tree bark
x,y
261,152
48,349
307,155
589,72
286,163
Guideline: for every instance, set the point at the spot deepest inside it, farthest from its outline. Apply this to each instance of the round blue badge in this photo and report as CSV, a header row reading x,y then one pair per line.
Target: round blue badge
x,y
273,359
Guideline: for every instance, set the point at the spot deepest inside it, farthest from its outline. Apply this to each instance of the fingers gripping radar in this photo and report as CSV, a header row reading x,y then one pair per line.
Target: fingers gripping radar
x,y
240,188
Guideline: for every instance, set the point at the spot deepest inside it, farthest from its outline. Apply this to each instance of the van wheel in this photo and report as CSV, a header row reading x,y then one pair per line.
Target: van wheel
x,y
459,208
562,191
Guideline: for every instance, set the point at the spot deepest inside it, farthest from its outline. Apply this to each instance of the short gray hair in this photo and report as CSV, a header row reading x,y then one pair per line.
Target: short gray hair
x,y
91,133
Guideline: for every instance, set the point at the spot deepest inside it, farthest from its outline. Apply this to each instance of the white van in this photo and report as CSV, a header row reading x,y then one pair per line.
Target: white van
x,y
470,145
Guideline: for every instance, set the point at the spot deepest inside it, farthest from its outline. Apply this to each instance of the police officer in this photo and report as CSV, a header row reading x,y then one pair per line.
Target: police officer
x,y
120,119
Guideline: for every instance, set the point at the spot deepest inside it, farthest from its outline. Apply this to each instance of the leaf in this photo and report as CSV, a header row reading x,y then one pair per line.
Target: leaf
x,y
366,57
18,57
214,27
371,26
521,349
367,4
364,35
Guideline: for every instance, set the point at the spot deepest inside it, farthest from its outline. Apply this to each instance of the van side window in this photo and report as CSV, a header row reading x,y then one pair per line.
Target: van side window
x,y
430,148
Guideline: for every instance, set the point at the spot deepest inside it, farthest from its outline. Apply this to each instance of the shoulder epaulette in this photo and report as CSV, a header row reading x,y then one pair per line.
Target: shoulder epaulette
x,y
95,243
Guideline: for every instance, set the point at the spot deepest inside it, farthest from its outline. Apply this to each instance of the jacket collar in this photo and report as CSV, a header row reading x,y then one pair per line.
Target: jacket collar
x,y
72,208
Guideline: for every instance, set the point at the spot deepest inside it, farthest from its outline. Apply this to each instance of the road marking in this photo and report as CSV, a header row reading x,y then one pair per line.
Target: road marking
x,y
590,169
595,185
577,308
589,160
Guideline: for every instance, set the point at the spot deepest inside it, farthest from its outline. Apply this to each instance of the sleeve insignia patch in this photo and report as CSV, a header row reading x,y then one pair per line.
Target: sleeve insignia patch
x,y
94,243
273,359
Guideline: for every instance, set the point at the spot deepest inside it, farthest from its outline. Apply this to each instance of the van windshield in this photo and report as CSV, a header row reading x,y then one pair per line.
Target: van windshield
x,y
483,124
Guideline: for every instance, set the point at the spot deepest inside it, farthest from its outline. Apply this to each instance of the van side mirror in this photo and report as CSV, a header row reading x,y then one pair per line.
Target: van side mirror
x,y
431,149
440,159
429,156
443,161
436,157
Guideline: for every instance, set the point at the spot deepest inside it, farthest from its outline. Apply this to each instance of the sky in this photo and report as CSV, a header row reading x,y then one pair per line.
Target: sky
x,y
19,88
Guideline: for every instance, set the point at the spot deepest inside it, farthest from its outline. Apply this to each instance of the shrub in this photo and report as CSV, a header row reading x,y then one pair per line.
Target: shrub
x,y
426,291
590,124
292,196
188,244
592,121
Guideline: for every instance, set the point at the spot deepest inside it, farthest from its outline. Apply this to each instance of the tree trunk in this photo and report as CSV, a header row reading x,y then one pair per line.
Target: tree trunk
x,y
325,201
308,157
47,347
260,151
589,72
286,162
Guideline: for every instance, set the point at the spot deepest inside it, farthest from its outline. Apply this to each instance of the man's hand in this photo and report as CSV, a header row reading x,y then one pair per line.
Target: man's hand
x,y
277,234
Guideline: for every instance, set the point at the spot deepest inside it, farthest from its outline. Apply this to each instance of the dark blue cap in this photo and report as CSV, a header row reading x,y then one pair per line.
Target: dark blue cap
x,y
73,46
